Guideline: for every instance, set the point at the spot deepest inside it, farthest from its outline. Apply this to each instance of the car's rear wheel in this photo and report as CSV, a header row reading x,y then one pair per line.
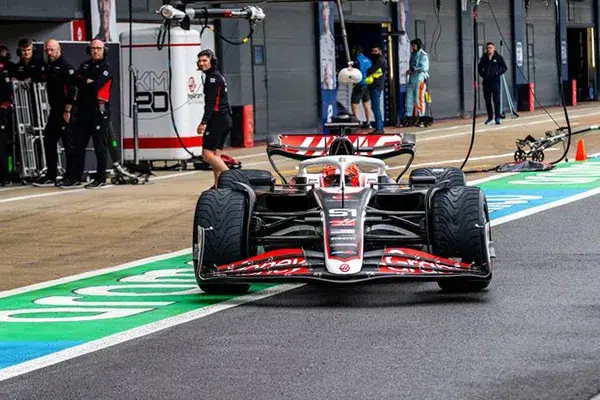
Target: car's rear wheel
x,y
455,175
460,228
224,214
256,178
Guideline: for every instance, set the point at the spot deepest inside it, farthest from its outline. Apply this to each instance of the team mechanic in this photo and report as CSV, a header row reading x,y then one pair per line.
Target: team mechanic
x,y
94,81
29,67
216,122
58,74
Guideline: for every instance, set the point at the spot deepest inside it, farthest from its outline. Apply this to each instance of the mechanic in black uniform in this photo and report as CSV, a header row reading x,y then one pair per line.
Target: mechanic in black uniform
x,y
29,67
58,74
216,122
6,74
93,80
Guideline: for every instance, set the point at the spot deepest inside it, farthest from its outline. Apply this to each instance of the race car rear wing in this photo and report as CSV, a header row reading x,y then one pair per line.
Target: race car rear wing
x,y
304,147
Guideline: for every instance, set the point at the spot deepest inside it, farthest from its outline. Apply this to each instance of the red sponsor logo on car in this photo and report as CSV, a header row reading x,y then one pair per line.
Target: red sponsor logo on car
x,y
344,268
343,222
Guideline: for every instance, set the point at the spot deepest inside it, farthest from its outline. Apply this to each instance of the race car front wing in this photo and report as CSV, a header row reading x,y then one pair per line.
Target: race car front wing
x,y
298,265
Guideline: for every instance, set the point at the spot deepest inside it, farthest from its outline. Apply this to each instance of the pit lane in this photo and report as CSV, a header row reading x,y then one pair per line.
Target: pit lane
x,y
386,331
532,335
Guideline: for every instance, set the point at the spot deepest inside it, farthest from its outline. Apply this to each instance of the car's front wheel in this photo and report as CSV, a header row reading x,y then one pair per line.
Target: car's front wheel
x,y
460,228
224,214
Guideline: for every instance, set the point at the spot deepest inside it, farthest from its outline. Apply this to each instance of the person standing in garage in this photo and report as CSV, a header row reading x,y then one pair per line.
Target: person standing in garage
x,y
491,68
29,67
93,80
58,74
216,122
418,74
376,81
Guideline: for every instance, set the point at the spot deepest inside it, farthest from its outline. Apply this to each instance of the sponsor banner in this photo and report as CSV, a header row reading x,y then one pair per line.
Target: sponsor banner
x,y
327,70
104,20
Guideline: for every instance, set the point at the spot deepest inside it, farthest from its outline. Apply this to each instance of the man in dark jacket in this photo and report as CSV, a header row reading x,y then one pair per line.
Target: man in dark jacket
x,y
93,80
491,68
216,121
29,67
376,81
58,74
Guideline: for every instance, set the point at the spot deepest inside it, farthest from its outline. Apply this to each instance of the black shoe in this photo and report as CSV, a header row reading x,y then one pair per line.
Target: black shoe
x,y
44,182
71,184
95,184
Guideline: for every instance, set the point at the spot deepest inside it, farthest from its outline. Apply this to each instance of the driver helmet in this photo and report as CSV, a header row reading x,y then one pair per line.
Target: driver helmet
x,y
331,175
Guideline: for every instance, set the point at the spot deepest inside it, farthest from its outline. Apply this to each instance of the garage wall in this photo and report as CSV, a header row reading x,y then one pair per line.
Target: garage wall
x,y
544,25
12,32
142,10
365,11
291,52
444,68
289,99
580,12
41,10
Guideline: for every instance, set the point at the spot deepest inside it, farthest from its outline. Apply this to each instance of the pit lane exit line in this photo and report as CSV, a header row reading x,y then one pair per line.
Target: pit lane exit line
x,y
94,345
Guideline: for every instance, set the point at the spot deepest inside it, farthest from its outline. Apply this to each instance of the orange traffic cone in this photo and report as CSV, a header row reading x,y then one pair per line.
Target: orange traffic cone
x,y
581,154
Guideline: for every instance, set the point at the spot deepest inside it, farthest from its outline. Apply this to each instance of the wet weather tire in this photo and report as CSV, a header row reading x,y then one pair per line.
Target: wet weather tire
x,y
452,174
255,178
461,229
224,213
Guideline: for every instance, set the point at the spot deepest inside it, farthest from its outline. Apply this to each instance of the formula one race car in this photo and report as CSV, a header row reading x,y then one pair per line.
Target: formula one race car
x,y
341,219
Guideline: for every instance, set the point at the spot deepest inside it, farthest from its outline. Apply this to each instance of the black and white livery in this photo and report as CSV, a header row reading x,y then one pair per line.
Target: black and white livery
x,y
342,219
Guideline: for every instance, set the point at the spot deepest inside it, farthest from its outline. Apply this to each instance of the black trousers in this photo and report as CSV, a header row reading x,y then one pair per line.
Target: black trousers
x,y
491,90
5,115
57,129
90,121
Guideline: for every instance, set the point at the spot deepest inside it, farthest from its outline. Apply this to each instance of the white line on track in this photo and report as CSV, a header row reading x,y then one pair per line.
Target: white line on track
x,y
486,130
253,155
131,334
8,189
40,195
158,178
135,333
90,274
555,115
446,162
69,191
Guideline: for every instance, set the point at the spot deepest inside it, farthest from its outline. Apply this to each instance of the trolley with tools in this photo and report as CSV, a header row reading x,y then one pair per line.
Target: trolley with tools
x,y
31,111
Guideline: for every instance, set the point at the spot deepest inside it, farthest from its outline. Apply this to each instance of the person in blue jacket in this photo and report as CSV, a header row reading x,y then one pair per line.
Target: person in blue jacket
x,y
376,79
418,75
360,91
